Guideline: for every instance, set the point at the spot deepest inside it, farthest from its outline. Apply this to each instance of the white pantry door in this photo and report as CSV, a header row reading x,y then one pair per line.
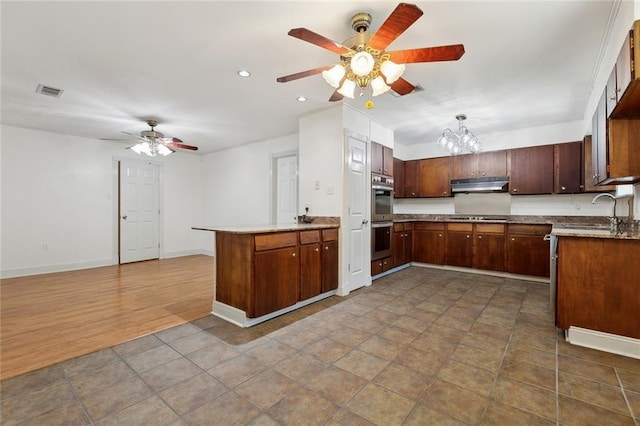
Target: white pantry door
x,y
139,211
357,211
286,189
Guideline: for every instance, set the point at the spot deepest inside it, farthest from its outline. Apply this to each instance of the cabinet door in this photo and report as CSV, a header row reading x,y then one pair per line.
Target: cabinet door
x,y
376,158
488,252
398,178
588,178
411,176
428,246
310,271
568,175
492,164
398,249
527,251
599,141
459,249
531,170
329,265
276,280
376,267
434,177
464,166
408,247
387,161
611,92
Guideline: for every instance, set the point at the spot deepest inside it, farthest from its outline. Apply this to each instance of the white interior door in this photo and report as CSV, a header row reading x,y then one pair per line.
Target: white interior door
x,y
139,211
358,239
286,189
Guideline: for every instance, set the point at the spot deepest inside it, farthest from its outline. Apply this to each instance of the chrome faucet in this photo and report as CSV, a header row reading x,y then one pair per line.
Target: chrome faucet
x,y
613,220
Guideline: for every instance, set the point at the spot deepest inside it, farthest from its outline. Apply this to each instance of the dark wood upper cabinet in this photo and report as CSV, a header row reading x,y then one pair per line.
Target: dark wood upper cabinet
x,y
398,178
381,159
411,176
588,178
568,168
434,177
531,170
485,164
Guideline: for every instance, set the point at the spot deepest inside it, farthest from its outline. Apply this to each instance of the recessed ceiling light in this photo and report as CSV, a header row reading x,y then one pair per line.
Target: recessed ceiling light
x,y
301,99
244,73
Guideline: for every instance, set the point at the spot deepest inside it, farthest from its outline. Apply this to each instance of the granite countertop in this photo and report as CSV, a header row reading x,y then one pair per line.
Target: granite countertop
x,y
536,220
258,229
570,230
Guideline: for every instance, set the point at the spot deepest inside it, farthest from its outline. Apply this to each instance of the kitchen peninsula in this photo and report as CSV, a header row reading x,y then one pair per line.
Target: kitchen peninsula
x,y
265,271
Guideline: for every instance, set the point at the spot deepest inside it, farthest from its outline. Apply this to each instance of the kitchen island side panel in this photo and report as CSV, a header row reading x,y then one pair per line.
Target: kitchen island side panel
x,y
234,271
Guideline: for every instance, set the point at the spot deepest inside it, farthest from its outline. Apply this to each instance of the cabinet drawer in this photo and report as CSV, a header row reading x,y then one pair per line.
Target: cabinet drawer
x,y
330,234
273,241
309,237
490,228
463,227
519,228
429,226
398,227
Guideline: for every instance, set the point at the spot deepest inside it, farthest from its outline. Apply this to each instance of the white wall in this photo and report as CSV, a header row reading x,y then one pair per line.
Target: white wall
x,y
321,162
237,184
58,191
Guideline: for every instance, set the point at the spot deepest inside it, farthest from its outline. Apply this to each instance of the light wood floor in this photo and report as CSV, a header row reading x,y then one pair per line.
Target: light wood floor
x,y
45,319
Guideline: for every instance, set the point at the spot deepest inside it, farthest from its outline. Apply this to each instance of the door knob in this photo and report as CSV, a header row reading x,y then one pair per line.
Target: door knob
x,y
365,221
124,217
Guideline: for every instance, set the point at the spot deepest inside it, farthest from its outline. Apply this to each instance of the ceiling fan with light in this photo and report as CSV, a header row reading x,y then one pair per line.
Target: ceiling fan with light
x,y
154,143
364,62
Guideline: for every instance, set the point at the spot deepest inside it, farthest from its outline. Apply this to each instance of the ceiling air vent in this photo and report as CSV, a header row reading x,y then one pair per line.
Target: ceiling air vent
x,y
417,89
49,91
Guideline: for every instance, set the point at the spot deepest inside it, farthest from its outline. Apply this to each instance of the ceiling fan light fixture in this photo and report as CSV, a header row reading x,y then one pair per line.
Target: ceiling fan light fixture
x,y
362,63
348,88
334,75
378,86
142,148
391,71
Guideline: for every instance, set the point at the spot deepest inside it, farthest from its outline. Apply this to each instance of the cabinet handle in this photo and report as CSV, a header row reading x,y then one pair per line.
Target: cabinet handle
x,y
440,235
513,239
564,188
406,235
444,193
293,254
613,98
484,174
468,236
515,189
473,175
326,247
479,237
317,249
413,193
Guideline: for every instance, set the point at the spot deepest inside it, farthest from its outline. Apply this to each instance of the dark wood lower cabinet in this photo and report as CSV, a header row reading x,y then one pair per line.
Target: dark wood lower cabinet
x,y
429,242
527,251
459,244
488,246
276,280
381,265
311,266
402,244
329,265
598,285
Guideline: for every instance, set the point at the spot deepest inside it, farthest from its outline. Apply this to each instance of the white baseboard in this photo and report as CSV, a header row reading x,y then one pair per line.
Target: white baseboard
x,y
38,270
183,253
483,272
606,342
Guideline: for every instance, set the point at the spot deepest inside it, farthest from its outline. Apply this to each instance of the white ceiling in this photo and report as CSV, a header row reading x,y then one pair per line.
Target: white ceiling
x,y
120,63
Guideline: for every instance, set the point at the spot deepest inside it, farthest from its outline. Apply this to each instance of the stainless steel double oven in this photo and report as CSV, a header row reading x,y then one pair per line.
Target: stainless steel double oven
x,y
381,216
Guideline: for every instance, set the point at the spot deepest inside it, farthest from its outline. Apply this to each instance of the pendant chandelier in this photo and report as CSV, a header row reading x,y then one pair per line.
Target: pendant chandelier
x,y
461,140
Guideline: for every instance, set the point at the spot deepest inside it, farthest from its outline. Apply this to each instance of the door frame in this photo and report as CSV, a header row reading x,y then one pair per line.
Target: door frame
x,y
115,172
273,182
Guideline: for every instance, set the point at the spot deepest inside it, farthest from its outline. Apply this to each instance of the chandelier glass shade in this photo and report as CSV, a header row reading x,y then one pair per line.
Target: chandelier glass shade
x,y
152,148
459,141
363,68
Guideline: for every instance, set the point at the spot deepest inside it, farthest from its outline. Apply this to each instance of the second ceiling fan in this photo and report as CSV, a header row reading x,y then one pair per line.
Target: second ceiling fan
x,y
364,61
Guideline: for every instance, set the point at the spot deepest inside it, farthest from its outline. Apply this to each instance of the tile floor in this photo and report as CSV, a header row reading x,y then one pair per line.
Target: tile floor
x,y
419,347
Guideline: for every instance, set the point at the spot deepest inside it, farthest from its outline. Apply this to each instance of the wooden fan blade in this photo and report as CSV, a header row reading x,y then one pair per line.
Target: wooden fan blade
x,y
428,54
403,16
402,87
181,145
320,41
303,74
336,97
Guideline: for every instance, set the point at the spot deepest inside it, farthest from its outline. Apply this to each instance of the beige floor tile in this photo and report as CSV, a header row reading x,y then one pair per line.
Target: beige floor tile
x,y
89,363
300,367
192,393
425,362
578,413
349,336
228,409
29,382
380,405
630,379
456,402
605,396
88,381
423,415
68,415
212,355
532,355
237,370
336,385
137,346
152,358
482,341
381,347
502,414
327,350
271,353
526,397
178,332
361,364
402,380
298,338
382,316
580,367
302,407
36,401
493,331
529,373
151,411
193,342
263,420
266,389
467,376
167,375
489,359
111,399
345,417
634,402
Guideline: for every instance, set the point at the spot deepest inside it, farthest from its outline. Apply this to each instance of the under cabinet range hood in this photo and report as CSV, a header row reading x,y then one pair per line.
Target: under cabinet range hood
x,y
483,184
